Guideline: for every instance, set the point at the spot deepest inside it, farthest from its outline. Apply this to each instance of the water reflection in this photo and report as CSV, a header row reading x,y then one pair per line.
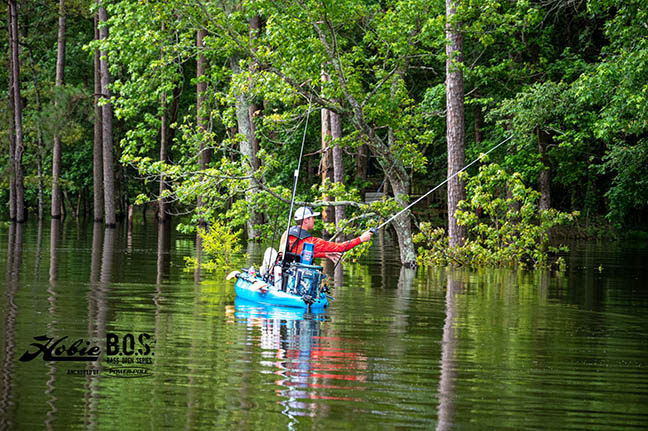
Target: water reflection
x,y
163,251
107,256
397,349
446,409
97,310
312,366
12,278
50,391
55,235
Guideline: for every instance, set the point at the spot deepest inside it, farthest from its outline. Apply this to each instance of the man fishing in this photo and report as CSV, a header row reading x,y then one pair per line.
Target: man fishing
x,y
300,234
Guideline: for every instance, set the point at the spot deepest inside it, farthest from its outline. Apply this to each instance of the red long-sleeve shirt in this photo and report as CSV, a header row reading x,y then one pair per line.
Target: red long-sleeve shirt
x,y
321,247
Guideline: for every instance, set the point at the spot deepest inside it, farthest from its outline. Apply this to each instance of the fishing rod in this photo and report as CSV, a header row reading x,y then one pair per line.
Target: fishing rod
x,y
376,229
294,190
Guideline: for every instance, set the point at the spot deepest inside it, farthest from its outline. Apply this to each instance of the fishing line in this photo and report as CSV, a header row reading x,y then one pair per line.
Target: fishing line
x,y
444,181
375,229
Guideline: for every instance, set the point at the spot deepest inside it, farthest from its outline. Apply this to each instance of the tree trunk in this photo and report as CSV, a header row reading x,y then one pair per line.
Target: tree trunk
x,y
163,215
544,178
12,128
253,108
338,163
403,223
455,120
328,214
163,202
107,129
56,151
97,146
39,151
17,111
246,146
169,116
388,161
201,121
362,164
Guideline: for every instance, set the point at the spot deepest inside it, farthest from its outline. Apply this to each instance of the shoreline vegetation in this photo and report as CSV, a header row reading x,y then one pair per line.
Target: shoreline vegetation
x,y
196,111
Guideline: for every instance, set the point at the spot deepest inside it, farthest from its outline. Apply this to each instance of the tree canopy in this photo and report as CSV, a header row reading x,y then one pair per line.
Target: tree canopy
x,y
568,80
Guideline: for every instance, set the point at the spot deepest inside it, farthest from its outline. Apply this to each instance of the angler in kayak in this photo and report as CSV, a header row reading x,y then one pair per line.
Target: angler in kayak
x,y
299,235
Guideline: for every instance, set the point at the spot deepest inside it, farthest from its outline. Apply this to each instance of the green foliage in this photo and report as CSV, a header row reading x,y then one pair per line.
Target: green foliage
x,y
575,72
222,247
505,226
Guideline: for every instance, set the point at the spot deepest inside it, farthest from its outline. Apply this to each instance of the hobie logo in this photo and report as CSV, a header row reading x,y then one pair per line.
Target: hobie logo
x,y
126,349
62,350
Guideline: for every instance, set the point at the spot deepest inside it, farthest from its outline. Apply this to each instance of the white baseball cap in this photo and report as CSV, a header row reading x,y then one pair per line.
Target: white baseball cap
x,y
304,212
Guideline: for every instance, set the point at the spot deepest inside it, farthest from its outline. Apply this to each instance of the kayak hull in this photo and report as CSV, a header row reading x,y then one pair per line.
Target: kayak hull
x,y
255,290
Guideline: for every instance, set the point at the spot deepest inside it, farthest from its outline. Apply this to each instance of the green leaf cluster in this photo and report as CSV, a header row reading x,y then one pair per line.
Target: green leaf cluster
x,y
222,247
505,226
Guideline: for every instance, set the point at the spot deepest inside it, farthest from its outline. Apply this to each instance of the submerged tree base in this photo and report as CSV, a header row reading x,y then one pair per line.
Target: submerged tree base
x,y
504,224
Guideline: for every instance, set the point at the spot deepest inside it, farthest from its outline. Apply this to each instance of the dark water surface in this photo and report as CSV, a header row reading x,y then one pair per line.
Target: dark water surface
x,y
398,349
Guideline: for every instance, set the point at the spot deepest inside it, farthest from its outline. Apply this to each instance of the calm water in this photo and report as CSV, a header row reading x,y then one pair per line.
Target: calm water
x,y
433,349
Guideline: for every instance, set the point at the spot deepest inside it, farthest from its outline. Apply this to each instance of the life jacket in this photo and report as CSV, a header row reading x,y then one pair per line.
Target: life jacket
x,y
299,233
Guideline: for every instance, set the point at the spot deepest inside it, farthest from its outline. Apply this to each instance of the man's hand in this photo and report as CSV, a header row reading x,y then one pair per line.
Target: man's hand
x,y
334,256
366,236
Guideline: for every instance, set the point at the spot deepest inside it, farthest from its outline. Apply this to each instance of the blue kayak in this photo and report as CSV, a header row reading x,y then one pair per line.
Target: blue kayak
x,y
303,289
247,309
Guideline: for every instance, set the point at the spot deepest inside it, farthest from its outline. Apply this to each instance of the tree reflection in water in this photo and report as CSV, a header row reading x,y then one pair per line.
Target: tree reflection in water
x,y
446,409
12,278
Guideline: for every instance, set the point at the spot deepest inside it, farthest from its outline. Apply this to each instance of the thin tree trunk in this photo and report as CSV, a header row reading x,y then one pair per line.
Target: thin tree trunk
x,y
338,163
455,132
97,146
107,129
362,163
12,128
163,202
246,146
19,146
326,172
56,151
39,153
164,157
201,89
253,108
